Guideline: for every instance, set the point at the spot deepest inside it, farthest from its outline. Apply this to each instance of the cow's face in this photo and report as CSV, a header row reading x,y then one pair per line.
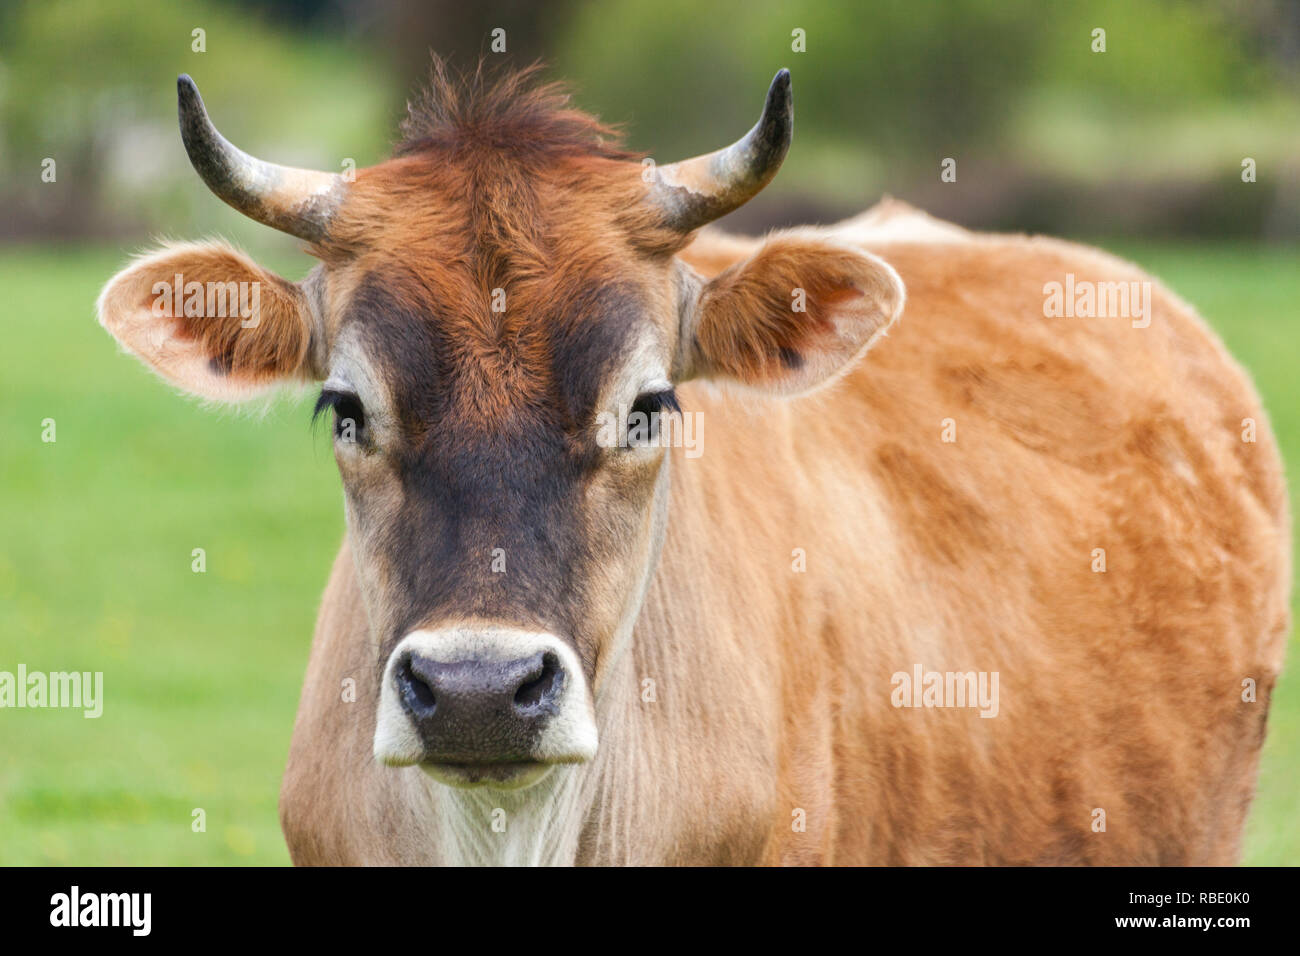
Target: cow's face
x,y
498,326
502,539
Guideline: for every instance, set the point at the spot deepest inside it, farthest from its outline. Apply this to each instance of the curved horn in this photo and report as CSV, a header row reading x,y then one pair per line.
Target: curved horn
x,y
696,191
300,202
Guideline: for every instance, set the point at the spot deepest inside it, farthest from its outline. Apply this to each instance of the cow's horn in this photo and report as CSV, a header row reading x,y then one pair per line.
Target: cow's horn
x,y
696,191
300,202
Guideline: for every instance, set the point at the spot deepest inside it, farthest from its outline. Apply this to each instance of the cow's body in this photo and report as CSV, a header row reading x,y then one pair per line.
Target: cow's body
x,y
769,690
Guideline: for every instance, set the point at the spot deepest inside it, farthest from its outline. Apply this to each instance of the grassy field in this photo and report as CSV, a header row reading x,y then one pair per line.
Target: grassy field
x,y
202,671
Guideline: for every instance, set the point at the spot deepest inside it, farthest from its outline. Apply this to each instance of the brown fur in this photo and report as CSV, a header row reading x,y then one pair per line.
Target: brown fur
x,y
1120,691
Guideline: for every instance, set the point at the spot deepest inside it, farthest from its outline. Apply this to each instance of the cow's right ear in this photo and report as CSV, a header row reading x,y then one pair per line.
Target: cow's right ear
x,y
208,319
793,316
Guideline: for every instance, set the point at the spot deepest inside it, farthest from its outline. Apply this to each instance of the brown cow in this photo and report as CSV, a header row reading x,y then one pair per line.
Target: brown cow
x,y
996,595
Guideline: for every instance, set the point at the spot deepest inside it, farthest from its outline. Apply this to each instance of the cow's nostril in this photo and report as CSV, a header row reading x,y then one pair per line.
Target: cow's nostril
x,y
416,692
543,687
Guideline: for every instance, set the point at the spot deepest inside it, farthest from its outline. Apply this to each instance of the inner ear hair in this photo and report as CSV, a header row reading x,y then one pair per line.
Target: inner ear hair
x,y
794,315
209,319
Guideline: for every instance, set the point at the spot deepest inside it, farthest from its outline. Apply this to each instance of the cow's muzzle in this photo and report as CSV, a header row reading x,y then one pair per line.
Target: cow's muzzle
x,y
478,707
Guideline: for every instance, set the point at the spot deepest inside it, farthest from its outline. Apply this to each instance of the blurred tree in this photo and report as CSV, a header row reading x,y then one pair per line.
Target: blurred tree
x,y
457,30
92,85
1046,132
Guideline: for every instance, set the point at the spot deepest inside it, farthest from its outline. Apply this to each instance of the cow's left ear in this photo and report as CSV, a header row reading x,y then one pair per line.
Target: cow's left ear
x,y
792,317
210,320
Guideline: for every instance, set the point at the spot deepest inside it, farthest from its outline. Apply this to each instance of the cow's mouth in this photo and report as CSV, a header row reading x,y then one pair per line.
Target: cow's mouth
x,y
509,775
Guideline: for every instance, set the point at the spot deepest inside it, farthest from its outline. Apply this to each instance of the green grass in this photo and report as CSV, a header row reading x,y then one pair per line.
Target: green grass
x,y
202,671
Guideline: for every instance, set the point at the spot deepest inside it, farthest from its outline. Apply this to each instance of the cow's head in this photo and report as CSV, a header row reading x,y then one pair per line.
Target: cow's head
x,y
481,299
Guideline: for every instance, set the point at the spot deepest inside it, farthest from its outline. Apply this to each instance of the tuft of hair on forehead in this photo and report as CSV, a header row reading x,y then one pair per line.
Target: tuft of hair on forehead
x,y
505,109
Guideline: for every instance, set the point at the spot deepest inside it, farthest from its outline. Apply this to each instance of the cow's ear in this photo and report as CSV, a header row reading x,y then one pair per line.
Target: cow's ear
x,y
207,318
793,316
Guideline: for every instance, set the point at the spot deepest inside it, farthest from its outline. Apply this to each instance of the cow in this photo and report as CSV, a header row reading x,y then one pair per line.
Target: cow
x,y
948,575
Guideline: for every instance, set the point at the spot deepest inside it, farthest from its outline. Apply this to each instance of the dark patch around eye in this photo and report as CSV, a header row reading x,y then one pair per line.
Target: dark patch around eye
x,y
790,359
586,353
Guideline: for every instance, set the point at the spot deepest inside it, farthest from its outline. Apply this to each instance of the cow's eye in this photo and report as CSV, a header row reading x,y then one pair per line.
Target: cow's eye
x,y
645,415
349,415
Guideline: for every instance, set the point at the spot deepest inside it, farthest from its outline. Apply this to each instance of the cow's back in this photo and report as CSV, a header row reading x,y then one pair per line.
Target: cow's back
x,y
956,498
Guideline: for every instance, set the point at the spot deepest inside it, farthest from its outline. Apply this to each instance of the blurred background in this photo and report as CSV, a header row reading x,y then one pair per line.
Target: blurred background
x,y
1139,148
1144,139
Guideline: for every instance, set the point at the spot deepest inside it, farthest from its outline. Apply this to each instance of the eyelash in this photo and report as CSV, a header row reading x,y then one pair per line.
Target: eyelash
x,y
651,402
345,405
654,405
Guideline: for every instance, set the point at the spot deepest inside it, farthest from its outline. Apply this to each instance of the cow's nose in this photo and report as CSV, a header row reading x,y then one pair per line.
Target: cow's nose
x,y
475,711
